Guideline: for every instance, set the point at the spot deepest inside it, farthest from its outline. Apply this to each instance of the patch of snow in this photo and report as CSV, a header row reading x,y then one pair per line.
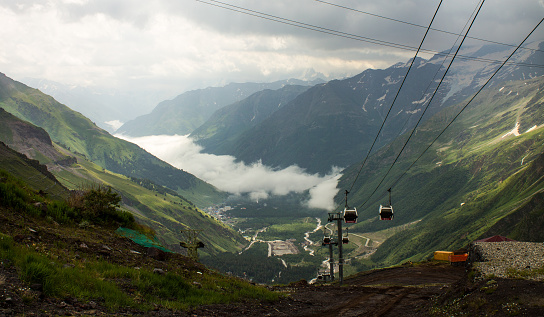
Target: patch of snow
x,y
364,104
381,98
501,89
389,81
514,131
422,100
414,111
532,128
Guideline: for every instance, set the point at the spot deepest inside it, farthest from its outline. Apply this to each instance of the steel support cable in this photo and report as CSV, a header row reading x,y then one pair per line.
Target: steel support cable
x,y
420,26
346,35
305,25
468,103
395,99
439,68
428,104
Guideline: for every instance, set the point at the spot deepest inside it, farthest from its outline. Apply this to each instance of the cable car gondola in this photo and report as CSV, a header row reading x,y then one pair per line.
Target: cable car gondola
x,y
386,212
350,215
345,238
326,240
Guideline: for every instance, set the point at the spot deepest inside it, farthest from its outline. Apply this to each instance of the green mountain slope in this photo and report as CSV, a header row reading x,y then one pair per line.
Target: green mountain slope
x,y
226,124
76,133
35,174
164,210
333,124
52,264
486,167
161,208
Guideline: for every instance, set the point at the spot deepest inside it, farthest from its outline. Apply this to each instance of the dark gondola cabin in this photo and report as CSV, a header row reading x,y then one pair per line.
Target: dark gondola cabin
x,y
386,212
326,240
350,215
345,240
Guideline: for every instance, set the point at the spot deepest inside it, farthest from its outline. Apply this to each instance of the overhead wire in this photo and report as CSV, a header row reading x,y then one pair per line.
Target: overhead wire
x,y
420,26
428,104
346,35
395,99
468,103
438,69
369,40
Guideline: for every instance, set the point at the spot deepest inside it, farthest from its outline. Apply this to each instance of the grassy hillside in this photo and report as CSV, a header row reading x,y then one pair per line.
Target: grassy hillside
x,y
165,211
219,132
59,267
36,175
476,174
159,207
79,135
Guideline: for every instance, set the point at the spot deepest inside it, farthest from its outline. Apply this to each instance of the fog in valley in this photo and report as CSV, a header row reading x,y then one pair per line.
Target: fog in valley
x,y
238,178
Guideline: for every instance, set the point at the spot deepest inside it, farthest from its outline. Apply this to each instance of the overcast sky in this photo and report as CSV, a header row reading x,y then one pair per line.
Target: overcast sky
x,y
175,46
187,44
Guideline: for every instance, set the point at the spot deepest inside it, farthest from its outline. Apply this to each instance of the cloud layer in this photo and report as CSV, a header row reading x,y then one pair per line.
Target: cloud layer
x,y
180,45
257,180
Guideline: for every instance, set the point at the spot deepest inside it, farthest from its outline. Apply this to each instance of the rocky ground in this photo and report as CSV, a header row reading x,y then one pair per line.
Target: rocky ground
x,y
422,289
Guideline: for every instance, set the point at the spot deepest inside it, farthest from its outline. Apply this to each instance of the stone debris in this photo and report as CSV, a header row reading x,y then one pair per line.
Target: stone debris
x,y
505,259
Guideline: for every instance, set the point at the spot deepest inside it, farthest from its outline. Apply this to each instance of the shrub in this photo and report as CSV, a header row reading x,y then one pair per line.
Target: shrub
x,y
99,204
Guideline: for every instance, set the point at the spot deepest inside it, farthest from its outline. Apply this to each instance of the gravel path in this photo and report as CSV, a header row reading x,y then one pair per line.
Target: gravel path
x,y
503,259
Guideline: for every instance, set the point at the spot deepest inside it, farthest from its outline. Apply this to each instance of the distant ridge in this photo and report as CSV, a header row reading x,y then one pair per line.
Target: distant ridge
x,y
189,110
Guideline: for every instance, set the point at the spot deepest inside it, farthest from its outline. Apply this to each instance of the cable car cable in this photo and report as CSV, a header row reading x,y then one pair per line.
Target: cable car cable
x,y
360,38
421,26
396,96
468,103
435,74
428,104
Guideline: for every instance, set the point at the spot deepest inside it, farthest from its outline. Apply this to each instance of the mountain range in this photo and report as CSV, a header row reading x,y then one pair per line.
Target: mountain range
x,y
189,110
482,175
484,169
334,124
79,154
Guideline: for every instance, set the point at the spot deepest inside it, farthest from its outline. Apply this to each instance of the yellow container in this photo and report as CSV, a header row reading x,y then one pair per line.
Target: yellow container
x,y
442,255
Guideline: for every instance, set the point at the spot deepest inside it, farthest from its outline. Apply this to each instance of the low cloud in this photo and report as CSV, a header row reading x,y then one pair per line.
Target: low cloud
x,y
257,180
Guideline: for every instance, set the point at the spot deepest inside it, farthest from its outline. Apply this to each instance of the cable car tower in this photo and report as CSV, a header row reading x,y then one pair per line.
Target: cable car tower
x,y
339,217
191,243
